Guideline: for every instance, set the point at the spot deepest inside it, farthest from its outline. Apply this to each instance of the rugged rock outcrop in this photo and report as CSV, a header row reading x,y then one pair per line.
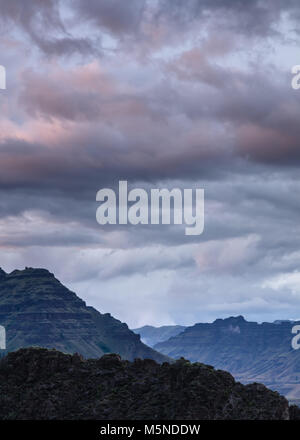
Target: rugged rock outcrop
x,y
152,335
37,310
46,384
250,351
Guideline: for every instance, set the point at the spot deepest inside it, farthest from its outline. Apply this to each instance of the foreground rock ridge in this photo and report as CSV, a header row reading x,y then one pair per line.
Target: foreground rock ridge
x,y
37,310
251,352
37,383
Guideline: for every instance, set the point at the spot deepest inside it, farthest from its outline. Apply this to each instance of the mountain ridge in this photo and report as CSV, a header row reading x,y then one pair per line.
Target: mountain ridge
x,y
248,350
38,310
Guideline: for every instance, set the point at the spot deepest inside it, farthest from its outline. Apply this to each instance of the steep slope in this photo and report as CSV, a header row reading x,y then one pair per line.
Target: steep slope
x,y
37,310
46,384
152,335
248,350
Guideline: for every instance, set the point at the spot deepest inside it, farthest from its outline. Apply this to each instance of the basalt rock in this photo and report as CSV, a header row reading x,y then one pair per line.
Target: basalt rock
x,y
46,384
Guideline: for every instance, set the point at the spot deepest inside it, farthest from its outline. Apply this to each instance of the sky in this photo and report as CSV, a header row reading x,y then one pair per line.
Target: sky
x,y
163,94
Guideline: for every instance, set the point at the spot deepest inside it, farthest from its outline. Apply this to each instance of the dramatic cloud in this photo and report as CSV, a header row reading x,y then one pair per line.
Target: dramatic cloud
x,y
41,21
162,94
116,16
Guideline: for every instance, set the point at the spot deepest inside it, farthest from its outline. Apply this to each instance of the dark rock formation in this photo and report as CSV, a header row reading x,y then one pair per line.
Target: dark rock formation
x,y
250,351
37,310
152,335
46,384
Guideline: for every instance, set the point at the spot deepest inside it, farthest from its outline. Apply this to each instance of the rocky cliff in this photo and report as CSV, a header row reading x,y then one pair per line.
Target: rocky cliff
x,y
248,350
46,384
37,310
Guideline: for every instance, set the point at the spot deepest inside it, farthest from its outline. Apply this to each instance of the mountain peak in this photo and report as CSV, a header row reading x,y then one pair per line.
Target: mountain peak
x,y
37,310
250,351
31,272
231,320
2,273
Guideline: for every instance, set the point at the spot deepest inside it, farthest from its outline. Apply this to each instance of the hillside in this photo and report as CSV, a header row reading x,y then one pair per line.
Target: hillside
x,y
46,384
37,310
248,350
152,335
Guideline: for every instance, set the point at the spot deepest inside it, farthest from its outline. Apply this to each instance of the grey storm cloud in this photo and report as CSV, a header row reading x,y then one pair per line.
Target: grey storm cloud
x,y
242,120
117,16
162,94
41,21
253,17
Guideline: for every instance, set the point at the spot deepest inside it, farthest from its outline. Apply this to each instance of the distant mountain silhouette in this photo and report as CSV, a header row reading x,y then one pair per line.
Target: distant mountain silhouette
x,y
152,335
248,350
37,310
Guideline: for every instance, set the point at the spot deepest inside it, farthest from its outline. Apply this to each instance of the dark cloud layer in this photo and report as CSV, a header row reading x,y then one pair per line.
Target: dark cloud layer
x,y
162,94
41,22
141,19
116,16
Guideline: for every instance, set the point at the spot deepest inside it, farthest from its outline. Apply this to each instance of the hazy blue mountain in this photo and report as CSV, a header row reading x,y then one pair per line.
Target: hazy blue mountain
x,y
37,310
248,350
152,335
